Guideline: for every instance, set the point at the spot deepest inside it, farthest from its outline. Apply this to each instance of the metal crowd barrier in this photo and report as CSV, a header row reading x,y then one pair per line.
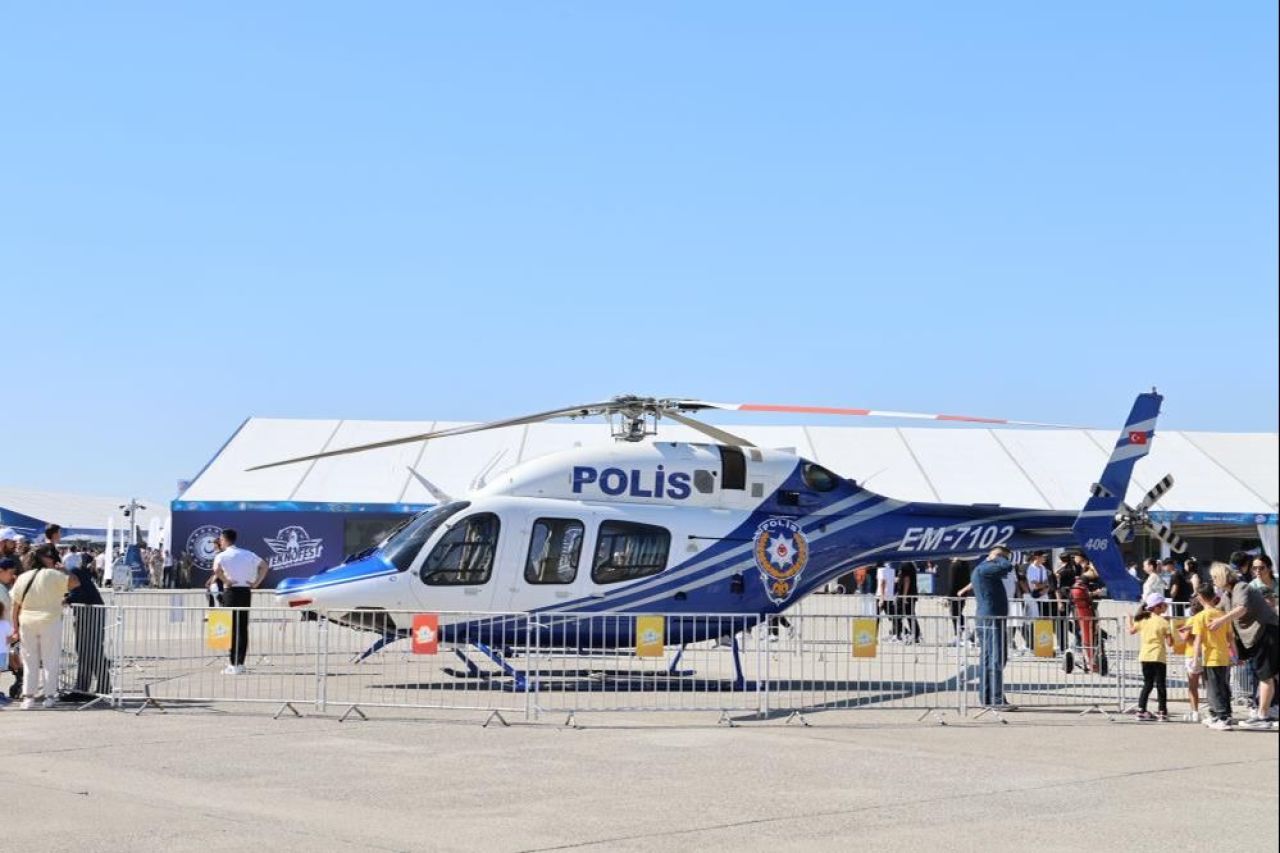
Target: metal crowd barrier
x,y
163,651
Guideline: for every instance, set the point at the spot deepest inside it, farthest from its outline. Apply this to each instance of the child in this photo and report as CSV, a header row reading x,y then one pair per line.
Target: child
x,y
1216,648
1153,654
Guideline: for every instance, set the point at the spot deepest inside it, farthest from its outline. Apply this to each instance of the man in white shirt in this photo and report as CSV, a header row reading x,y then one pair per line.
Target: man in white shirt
x,y
241,572
886,598
1037,583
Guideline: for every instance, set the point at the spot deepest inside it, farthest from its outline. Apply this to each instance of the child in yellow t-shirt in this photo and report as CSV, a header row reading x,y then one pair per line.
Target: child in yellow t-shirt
x,y
1216,649
1153,654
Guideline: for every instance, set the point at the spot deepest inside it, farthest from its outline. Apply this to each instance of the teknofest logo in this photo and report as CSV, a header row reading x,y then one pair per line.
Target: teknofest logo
x,y
781,552
293,547
202,545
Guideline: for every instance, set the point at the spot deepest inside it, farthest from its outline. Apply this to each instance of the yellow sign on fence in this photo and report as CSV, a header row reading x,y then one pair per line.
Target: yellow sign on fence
x,y
1042,633
649,636
217,631
864,638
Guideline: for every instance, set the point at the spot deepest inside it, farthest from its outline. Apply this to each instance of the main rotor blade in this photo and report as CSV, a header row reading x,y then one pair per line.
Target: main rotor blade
x,y
696,405
1157,491
706,429
572,411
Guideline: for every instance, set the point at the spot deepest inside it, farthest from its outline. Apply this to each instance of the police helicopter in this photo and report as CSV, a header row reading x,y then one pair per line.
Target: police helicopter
x,y
645,526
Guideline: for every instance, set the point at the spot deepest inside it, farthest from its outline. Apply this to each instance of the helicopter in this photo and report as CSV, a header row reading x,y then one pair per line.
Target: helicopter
x,y
645,526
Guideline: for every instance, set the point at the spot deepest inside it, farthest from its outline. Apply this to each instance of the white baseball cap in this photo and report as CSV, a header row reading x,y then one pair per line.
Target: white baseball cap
x,y
8,535
1153,600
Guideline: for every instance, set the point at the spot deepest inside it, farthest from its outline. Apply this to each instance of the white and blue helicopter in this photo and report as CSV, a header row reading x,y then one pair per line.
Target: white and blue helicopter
x,y
645,526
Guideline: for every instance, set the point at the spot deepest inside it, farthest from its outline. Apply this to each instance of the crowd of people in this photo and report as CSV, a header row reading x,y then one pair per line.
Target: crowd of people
x,y
1219,617
39,580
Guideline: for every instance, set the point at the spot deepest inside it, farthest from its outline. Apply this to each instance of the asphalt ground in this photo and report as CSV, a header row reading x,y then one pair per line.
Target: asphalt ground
x,y
225,778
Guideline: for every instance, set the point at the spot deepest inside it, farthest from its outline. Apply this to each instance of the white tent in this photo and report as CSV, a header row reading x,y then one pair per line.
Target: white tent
x,y
1219,475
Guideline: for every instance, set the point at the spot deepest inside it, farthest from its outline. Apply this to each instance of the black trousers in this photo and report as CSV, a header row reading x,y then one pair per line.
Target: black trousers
x,y
239,597
908,623
1153,675
92,666
957,616
1217,682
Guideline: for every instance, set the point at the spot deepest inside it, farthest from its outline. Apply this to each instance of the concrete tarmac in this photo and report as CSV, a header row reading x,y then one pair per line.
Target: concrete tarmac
x,y
211,780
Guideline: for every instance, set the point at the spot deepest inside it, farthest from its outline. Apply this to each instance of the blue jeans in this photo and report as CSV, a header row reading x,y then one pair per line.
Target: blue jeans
x,y
994,651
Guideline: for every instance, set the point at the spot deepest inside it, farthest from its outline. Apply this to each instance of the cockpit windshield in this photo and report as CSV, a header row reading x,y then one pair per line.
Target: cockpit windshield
x,y
403,545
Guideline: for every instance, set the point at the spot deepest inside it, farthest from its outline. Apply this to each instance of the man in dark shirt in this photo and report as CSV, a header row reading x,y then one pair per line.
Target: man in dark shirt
x,y
993,613
90,621
960,576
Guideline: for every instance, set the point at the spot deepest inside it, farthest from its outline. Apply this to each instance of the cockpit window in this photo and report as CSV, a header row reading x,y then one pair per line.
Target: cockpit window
x,y
403,545
818,478
464,554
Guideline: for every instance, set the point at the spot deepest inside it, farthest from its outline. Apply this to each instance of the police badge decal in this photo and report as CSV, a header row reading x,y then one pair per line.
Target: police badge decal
x,y
781,552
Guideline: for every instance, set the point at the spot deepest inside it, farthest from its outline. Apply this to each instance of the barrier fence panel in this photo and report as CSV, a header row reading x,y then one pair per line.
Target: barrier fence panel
x,y
571,663
447,660
658,662
1052,662
86,667
181,654
836,661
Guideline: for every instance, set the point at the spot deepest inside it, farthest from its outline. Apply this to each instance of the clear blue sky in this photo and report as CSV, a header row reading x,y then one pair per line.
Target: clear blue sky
x,y
465,211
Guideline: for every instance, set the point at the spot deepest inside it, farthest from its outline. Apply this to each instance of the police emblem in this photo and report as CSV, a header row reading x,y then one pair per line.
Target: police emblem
x,y
781,552
202,545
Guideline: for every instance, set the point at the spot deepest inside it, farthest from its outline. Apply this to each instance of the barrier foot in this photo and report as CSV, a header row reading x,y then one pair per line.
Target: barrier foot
x,y
94,701
796,715
726,720
287,706
1099,709
571,721
354,709
993,712
496,715
149,703
936,713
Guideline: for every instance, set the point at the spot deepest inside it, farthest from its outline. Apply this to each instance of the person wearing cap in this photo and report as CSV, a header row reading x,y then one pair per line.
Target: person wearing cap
x,y
1155,638
8,575
37,621
9,545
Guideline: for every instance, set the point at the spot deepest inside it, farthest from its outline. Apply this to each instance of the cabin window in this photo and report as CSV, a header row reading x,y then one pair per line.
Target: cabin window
x,y
626,551
554,548
464,555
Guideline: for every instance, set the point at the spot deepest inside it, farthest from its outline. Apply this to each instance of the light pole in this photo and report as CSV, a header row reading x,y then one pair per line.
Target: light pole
x,y
131,513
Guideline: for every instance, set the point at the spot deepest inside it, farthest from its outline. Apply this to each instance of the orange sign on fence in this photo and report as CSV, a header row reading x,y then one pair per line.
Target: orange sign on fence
x,y
426,633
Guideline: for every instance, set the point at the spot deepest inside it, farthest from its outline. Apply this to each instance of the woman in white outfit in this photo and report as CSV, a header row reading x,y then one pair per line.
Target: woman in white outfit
x,y
37,619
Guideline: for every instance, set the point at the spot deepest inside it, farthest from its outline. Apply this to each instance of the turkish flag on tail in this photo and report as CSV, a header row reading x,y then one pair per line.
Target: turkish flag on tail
x,y
1137,438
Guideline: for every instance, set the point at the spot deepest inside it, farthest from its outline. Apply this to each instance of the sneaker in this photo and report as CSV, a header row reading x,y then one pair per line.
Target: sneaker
x,y
240,670
28,704
1221,726
1162,717
230,669
1145,717
49,702
1191,717
1257,724
1207,720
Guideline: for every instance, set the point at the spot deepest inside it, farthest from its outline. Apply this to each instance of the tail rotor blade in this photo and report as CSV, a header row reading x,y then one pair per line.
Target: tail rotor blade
x,y
1165,534
1157,491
